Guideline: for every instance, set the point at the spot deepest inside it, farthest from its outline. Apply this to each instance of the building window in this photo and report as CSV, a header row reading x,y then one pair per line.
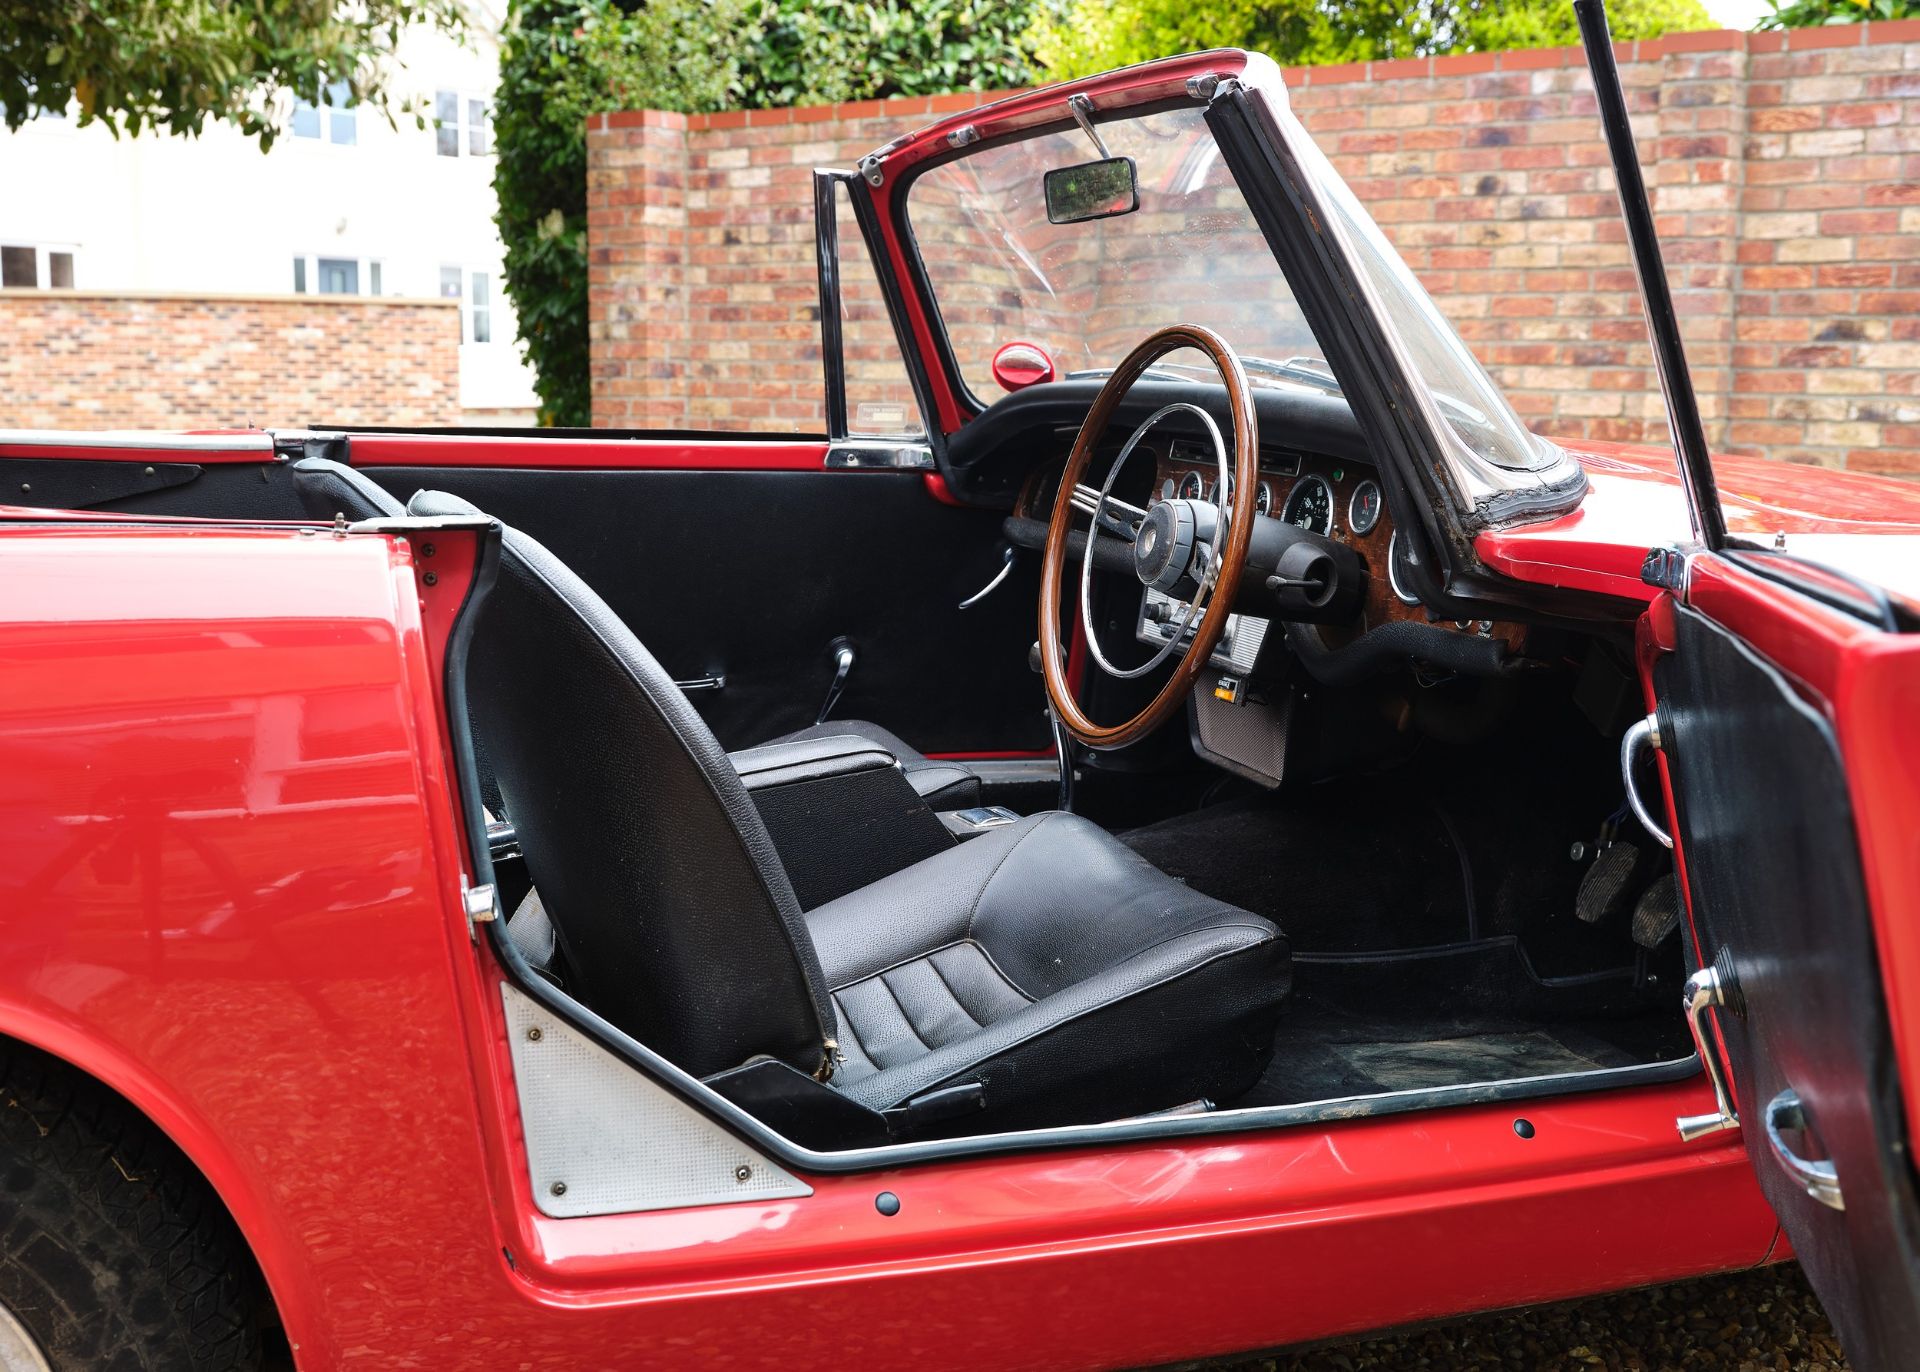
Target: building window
x,y
334,116
17,268
339,276
455,115
24,266
474,291
482,310
335,275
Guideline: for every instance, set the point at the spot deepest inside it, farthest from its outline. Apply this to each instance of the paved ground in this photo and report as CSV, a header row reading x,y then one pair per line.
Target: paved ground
x,y
1764,1321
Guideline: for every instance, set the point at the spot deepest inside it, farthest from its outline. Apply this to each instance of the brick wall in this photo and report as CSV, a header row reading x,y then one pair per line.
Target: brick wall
x,y
87,360
1786,178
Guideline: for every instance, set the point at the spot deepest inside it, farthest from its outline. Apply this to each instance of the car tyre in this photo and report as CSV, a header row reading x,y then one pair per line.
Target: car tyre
x,y
114,1251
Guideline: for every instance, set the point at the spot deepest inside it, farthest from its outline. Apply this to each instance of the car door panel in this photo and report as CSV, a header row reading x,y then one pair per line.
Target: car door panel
x,y
1779,896
753,575
734,557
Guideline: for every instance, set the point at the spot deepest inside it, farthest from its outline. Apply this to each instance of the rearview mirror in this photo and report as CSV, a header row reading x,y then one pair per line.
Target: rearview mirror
x,y
1092,190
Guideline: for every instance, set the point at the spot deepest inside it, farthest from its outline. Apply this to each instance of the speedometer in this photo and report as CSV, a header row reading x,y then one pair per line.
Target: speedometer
x,y
1310,506
1191,486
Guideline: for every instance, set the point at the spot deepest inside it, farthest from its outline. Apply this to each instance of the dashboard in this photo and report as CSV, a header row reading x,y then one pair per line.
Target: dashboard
x,y
1338,499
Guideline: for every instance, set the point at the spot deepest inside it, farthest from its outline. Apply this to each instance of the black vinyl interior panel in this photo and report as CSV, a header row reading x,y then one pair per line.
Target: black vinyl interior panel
x,y
752,575
1774,868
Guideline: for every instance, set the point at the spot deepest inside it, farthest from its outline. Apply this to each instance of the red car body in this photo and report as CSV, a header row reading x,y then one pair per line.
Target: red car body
x,y
234,895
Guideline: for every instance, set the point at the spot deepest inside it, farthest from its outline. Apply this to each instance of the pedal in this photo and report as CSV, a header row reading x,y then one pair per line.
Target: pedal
x,y
1608,888
1658,914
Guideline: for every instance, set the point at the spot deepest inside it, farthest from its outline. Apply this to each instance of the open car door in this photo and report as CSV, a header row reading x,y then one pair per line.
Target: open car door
x,y
1786,714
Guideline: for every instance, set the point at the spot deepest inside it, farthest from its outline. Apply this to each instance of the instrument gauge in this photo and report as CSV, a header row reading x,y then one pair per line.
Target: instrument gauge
x,y
1310,505
1263,500
1191,487
1363,508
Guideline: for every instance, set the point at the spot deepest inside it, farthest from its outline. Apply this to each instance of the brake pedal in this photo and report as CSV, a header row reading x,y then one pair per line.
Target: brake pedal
x,y
1658,913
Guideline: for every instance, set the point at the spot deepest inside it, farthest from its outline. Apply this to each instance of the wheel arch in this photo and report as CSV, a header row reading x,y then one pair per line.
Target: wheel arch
x,y
191,1135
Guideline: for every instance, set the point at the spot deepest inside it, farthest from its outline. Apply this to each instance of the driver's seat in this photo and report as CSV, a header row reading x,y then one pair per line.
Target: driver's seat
x,y
1041,974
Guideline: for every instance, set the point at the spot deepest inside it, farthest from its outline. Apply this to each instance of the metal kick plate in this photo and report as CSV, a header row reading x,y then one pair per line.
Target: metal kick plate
x,y
603,1139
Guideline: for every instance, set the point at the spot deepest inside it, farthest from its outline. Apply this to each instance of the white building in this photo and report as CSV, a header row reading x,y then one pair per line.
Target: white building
x,y
344,202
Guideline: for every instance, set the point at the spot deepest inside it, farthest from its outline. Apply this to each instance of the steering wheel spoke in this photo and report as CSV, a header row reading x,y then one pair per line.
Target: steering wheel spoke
x,y
1115,516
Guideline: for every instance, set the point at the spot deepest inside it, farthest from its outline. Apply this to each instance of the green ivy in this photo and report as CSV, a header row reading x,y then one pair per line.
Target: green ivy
x,y
563,60
1079,37
1802,14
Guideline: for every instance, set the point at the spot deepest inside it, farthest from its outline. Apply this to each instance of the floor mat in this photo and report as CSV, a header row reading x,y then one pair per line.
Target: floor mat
x,y
1324,1050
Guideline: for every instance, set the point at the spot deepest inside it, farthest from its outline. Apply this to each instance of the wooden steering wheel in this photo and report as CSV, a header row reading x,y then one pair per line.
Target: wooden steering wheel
x,y
1177,545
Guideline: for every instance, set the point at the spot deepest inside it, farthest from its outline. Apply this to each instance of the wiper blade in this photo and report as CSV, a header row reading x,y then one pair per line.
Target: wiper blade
x,y
1155,373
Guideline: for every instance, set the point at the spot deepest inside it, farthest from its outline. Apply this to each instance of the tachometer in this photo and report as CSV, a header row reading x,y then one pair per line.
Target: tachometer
x,y
1363,509
1191,486
1310,505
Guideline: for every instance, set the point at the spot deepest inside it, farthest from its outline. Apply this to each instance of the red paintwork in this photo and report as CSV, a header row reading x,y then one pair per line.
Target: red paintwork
x,y
234,897
1634,502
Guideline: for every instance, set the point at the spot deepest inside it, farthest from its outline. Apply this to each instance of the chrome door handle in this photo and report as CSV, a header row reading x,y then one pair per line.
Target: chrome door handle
x,y
1006,570
1705,990
717,682
1817,1179
1644,733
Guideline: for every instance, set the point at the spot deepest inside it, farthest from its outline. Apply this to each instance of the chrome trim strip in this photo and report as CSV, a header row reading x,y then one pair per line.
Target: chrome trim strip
x,y
253,439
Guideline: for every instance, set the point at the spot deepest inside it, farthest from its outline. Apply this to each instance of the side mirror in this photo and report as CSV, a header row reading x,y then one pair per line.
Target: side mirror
x,y
1092,190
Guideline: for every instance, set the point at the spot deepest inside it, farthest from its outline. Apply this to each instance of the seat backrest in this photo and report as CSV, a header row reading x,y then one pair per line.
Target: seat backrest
x,y
673,913
330,488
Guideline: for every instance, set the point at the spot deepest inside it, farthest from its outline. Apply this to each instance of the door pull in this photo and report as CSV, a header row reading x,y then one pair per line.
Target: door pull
x,y
1707,989
1817,1179
1644,734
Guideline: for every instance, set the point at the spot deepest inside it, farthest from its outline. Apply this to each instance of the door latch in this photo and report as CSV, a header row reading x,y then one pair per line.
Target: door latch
x,y
1707,989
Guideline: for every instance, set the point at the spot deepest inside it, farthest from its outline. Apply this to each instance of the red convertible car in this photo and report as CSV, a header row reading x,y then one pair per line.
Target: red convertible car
x,y
1222,838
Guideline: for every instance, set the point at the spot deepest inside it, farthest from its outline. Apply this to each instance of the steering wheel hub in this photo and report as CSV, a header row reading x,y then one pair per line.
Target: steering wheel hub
x,y
1163,549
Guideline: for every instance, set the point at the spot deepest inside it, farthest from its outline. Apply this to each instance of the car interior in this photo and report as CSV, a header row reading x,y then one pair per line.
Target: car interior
x,y
1367,875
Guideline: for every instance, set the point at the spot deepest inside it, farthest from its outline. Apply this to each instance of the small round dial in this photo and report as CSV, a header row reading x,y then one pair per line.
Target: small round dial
x,y
1191,486
1263,499
1363,510
1310,506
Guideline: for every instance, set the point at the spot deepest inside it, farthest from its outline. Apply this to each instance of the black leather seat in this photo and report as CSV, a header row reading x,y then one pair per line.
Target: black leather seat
x,y
1044,972
328,488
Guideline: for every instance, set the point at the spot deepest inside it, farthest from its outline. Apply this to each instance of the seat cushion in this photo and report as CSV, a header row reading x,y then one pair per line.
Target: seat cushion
x,y
943,785
1049,963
